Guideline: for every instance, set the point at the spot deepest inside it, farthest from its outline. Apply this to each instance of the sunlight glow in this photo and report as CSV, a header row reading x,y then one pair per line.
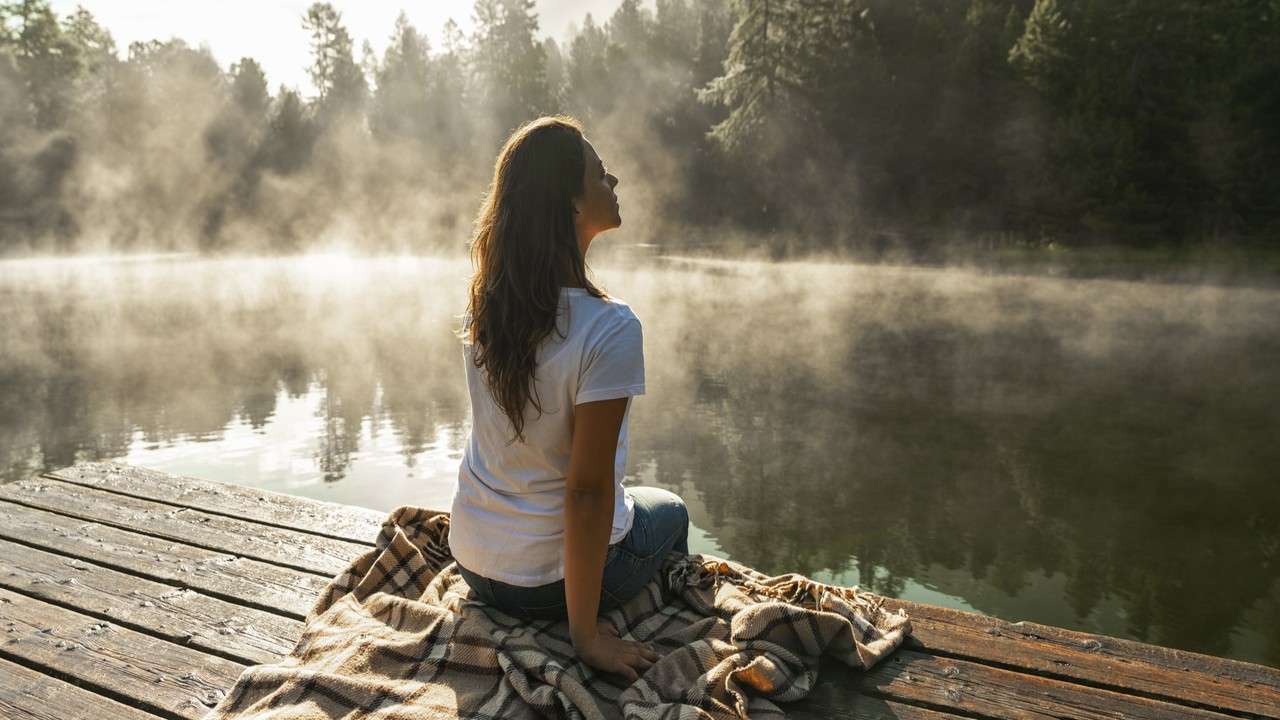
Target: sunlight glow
x,y
271,32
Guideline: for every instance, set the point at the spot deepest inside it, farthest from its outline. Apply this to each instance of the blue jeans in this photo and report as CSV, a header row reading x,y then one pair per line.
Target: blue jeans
x,y
661,525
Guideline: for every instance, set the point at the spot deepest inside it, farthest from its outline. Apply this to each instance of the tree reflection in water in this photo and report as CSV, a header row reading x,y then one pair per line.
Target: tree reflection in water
x,y
1093,454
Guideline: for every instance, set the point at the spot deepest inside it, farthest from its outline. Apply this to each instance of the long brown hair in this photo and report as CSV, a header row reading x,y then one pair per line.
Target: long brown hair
x,y
524,250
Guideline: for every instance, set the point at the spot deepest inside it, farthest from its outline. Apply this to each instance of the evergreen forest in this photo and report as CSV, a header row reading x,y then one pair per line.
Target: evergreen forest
x,y
794,126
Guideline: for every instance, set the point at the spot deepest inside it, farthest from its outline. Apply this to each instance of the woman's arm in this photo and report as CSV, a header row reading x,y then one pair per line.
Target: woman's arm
x,y
588,521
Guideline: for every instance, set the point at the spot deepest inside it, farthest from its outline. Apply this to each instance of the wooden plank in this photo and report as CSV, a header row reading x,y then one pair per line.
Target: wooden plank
x,y
344,522
1126,666
854,706
279,546
243,634
968,688
249,582
965,665
1259,677
137,669
31,695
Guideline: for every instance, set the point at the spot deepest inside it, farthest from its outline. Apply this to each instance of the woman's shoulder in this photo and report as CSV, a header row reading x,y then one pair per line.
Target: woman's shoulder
x,y
607,307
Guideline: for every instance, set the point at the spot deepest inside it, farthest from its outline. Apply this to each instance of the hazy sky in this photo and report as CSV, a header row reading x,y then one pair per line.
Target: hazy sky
x,y
270,31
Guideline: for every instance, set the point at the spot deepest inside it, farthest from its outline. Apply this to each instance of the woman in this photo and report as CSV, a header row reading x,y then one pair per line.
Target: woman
x,y
541,525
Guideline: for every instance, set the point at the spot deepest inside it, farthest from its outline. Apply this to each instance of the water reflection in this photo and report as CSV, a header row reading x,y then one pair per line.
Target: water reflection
x,y
152,362
1086,454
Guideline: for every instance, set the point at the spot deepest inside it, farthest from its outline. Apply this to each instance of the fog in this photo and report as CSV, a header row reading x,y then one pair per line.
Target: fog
x,y
903,327
936,132
163,147
1064,450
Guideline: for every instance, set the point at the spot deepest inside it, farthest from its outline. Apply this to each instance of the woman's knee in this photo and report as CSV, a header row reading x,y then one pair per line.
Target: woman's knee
x,y
665,516
657,500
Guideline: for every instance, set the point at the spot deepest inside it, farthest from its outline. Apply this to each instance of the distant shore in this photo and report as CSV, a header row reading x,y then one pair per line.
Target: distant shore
x,y
1222,265
1219,264
1229,265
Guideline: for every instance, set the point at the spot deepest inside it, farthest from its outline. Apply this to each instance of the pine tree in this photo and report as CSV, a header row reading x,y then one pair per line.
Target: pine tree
x,y
340,85
48,60
402,97
509,63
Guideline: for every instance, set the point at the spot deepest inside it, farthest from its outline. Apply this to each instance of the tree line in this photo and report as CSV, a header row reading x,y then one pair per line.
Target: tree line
x,y
803,125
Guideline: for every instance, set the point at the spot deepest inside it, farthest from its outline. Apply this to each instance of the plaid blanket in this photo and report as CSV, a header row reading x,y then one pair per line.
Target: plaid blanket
x,y
399,635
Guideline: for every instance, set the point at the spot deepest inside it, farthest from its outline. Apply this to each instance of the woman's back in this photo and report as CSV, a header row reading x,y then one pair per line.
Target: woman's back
x,y
508,512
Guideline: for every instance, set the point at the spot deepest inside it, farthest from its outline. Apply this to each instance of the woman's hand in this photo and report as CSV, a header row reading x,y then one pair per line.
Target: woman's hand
x,y
610,653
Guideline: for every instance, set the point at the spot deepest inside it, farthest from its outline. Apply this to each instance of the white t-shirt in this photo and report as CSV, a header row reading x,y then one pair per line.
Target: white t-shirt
x,y
507,520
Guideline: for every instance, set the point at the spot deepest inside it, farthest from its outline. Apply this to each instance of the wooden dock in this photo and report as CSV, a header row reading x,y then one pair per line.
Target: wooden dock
x,y
128,593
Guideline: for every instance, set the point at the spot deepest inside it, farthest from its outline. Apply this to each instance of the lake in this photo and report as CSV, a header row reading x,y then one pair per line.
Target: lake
x,y
1093,454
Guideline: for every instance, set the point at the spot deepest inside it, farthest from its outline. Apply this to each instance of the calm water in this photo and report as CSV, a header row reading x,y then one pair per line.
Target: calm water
x,y
1097,455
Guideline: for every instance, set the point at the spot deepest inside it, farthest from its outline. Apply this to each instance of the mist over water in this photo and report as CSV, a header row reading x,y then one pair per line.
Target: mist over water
x,y
1086,453
1094,454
